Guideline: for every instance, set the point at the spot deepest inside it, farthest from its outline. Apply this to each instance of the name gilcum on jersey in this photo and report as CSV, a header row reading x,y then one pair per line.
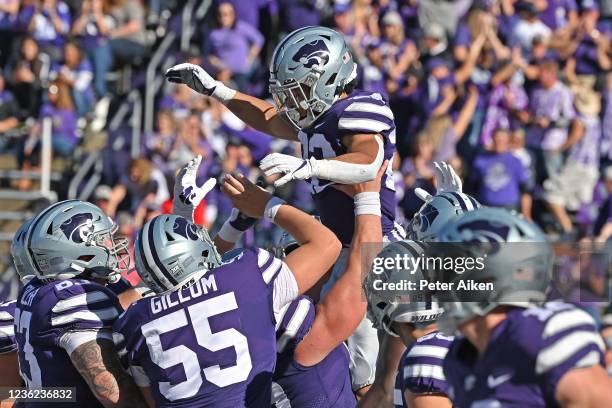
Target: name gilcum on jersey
x,y
208,344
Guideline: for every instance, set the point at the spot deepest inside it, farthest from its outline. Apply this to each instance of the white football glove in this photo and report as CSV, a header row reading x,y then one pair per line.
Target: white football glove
x,y
200,81
446,179
293,167
187,194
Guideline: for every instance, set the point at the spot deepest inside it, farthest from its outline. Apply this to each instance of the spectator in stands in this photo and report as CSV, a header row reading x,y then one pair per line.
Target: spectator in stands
x,y
144,188
507,108
76,73
552,113
589,48
528,26
127,35
161,144
295,14
91,28
559,14
444,132
30,71
435,43
398,52
48,21
8,111
573,186
124,27
60,110
192,142
233,46
499,178
9,11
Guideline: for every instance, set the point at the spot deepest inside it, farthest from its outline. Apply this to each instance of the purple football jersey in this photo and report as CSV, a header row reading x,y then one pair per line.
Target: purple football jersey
x,y
529,352
43,314
7,330
420,370
326,384
209,344
361,112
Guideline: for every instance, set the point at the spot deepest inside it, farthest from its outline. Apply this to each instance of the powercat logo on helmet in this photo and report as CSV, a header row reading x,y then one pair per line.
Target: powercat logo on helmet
x,y
313,53
78,227
185,229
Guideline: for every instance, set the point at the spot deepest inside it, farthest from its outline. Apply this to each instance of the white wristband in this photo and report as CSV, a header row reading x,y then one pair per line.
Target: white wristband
x,y
272,208
367,203
229,233
223,93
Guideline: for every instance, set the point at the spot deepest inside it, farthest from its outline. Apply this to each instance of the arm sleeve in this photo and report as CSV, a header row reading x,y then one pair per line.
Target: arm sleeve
x,y
276,272
69,341
7,328
83,308
569,340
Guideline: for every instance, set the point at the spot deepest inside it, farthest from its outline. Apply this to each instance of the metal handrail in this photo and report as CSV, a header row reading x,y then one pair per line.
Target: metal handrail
x,y
150,77
45,162
136,100
92,181
186,24
88,164
203,9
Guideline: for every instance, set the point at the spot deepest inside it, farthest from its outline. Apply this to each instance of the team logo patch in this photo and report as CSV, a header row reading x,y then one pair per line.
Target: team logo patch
x,y
78,228
311,54
185,229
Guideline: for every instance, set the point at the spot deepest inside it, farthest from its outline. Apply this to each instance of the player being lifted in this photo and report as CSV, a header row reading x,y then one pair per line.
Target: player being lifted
x,y
208,337
64,313
345,135
514,351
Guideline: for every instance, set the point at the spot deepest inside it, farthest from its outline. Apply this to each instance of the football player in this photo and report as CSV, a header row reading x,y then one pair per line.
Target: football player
x,y
448,203
345,135
208,337
9,375
513,352
64,313
419,382
312,366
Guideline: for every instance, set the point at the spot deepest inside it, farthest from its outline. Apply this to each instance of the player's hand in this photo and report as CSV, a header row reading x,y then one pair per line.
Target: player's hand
x,y
187,194
293,167
369,186
248,198
193,76
446,179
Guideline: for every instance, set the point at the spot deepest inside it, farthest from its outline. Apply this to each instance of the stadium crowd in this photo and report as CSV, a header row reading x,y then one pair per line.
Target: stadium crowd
x,y
515,94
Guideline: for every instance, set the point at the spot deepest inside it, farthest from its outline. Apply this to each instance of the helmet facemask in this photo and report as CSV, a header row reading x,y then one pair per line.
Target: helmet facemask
x,y
296,99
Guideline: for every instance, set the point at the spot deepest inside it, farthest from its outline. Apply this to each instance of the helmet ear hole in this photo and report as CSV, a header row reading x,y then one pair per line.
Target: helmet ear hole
x,y
331,79
381,305
205,253
169,237
85,258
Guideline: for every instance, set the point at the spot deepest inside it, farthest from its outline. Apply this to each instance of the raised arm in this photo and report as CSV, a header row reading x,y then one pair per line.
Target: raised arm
x,y
343,308
97,362
319,248
256,112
